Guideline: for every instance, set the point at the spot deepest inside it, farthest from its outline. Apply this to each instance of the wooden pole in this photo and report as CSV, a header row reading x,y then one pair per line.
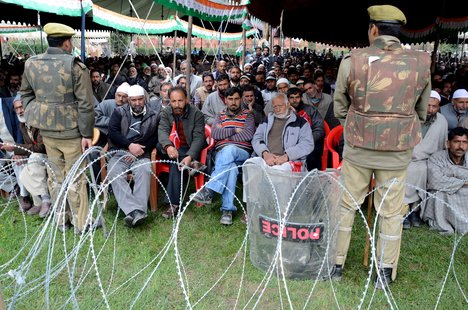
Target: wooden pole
x,y
244,47
83,44
189,56
434,52
174,64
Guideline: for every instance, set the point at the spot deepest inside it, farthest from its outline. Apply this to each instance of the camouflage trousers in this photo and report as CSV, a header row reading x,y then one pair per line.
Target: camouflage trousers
x,y
62,154
388,202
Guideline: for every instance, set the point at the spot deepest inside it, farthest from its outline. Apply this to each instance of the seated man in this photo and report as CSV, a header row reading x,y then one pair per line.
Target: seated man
x,y
202,92
215,102
30,166
283,139
233,130
163,94
434,134
189,125
249,101
10,134
447,177
132,128
315,120
105,109
456,111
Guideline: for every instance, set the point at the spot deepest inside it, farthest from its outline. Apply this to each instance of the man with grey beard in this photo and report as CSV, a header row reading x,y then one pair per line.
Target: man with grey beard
x,y
434,132
283,139
29,166
133,131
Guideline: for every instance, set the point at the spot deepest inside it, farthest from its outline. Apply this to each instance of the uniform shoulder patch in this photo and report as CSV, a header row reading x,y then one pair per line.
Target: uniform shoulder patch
x,y
79,62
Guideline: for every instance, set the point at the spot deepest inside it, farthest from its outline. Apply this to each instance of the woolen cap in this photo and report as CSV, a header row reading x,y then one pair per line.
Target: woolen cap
x,y
386,14
136,91
282,81
59,30
460,93
123,88
435,95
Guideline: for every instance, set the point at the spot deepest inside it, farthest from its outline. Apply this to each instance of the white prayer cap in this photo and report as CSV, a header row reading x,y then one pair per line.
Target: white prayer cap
x,y
435,95
282,81
136,91
123,88
247,65
161,66
460,93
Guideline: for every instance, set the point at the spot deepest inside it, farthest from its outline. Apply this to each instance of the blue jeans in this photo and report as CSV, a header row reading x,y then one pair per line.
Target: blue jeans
x,y
224,177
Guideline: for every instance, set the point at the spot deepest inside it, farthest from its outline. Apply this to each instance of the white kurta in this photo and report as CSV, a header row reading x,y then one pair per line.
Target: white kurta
x,y
433,141
447,212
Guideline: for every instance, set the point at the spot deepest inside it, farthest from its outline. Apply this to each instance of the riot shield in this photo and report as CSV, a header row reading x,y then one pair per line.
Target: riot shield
x,y
292,219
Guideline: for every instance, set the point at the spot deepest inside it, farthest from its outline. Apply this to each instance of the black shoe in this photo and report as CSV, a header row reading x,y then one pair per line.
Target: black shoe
x,y
415,219
383,278
406,223
336,273
128,220
138,218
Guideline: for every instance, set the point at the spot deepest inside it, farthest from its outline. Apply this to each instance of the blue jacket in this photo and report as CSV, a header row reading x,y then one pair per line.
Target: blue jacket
x,y
11,119
297,137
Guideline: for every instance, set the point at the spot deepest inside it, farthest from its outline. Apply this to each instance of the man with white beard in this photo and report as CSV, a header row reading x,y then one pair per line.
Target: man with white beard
x,y
30,168
434,133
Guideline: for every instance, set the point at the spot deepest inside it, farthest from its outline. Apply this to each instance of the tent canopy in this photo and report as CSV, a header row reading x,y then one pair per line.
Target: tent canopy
x,y
345,23
120,15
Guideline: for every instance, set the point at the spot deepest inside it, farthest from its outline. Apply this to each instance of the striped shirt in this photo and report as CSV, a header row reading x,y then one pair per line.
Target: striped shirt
x,y
225,129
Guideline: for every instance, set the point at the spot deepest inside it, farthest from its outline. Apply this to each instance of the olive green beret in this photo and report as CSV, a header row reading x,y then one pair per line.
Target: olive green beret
x,y
58,30
386,14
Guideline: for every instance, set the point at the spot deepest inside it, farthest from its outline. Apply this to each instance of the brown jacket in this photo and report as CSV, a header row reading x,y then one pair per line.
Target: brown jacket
x,y
32,142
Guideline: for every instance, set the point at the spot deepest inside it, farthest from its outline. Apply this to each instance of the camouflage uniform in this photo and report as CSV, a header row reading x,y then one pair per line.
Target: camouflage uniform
x,y
58,99
381,96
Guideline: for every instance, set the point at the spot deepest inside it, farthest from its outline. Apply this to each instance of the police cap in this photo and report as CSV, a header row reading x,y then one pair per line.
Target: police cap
x,y
58,30
386,14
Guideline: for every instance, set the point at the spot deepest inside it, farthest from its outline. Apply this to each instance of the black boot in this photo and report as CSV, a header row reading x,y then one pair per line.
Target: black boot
x,y
337,273
414,217
406,223
383,278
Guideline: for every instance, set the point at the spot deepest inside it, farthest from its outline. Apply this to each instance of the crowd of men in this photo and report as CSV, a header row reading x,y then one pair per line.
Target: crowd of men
x,y
275,110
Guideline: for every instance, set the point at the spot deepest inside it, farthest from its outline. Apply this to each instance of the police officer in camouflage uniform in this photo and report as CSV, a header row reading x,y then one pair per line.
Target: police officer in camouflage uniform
x,y
58,99
381,97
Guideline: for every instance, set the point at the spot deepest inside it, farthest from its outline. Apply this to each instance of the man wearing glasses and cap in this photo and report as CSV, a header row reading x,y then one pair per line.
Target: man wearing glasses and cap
x,y
58,99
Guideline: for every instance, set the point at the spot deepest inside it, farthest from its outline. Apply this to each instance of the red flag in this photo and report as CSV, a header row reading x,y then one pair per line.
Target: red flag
x,y
174,137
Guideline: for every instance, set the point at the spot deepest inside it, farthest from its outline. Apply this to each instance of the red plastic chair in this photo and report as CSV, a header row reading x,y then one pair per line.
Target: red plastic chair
x,y
332,142
199,179
325,148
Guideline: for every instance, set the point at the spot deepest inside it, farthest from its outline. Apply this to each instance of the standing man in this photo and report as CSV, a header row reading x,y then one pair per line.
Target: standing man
x,y
58,100
381,97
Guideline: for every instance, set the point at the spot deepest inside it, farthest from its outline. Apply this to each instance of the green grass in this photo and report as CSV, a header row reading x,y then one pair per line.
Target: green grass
x,y
206,249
